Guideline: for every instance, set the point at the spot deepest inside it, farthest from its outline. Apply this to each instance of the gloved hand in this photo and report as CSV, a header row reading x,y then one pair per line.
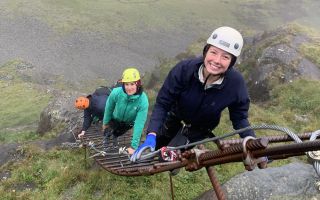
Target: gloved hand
x,y
150,142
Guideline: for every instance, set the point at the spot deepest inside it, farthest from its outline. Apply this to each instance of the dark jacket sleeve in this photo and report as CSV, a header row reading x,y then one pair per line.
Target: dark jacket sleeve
x,y
238,111
87,119
169,92
239,117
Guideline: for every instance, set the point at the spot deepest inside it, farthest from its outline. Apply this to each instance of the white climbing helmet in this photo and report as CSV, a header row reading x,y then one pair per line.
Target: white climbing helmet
x,y
227,39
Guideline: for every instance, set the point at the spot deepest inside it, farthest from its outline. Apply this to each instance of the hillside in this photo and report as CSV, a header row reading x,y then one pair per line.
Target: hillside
x,y
91,42
41,173
54,51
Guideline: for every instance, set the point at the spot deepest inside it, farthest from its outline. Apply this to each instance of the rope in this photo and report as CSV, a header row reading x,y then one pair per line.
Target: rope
x,y
78,143
71,145
152,154
122,150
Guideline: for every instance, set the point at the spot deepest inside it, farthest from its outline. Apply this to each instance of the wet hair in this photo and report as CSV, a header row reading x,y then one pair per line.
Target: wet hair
x,y
206,48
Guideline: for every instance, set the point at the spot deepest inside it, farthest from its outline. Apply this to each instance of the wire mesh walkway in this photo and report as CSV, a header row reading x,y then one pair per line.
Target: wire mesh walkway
x,y
116,159
253,152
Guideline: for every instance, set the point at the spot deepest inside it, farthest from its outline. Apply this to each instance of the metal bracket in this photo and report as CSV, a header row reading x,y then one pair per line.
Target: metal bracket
x,y
193,160
315,155
250,162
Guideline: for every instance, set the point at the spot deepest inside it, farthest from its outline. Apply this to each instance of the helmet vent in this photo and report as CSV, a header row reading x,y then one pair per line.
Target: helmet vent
x,y
214,36
227,39
224,43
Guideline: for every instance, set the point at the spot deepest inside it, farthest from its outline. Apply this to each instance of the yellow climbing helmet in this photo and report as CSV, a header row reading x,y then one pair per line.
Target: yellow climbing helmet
x,y
130,75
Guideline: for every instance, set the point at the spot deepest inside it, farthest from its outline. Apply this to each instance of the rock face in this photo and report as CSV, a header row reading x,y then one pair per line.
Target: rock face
x,y
60,116
292,181
275,58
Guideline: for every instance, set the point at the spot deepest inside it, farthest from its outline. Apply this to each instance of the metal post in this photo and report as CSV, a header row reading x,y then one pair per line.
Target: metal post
x,y
85,156
216,185
171,186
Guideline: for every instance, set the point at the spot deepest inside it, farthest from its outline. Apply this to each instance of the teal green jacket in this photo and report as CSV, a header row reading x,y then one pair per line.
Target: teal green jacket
x,y
131,109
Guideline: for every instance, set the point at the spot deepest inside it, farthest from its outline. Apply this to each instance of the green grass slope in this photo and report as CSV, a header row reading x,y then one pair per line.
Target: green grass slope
x,y
61,174
21,104
115,16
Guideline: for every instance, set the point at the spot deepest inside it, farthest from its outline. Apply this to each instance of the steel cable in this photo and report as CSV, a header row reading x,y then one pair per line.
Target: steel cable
x,y
254,127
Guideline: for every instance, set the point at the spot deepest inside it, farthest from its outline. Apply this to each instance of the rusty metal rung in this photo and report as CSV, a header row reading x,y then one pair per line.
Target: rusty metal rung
x,y
232,152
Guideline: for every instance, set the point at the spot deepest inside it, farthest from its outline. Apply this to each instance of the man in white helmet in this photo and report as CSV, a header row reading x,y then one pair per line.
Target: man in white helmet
x,y
196,91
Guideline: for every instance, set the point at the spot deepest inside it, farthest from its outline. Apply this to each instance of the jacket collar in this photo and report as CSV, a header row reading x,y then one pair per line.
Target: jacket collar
x,y
199,63
131,97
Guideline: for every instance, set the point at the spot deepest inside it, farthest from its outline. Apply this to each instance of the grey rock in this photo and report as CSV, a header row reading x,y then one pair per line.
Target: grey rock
x,y
274,58
10,152
60,116
293,181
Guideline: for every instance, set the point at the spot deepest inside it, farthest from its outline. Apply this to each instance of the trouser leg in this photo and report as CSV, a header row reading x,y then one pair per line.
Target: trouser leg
x,y
168,131
119,128
107,137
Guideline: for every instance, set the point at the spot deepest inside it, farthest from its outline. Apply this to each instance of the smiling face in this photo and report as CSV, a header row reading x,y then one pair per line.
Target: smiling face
x,y
131,88
216,61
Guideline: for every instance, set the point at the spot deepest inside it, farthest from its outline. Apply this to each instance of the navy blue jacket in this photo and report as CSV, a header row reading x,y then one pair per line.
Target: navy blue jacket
x,y
96,109
184,94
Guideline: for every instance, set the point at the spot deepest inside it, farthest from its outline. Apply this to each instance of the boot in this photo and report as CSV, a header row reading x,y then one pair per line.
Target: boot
x,y
115,143
106,140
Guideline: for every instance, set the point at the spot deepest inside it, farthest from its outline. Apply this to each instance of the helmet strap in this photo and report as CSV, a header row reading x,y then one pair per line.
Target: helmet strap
x,y
233,61
205,50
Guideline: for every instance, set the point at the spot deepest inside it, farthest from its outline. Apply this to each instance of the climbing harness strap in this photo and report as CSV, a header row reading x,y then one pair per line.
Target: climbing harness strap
x,y
168,155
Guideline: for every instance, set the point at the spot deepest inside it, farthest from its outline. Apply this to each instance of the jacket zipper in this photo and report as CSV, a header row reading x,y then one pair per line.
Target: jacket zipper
x,y
125,109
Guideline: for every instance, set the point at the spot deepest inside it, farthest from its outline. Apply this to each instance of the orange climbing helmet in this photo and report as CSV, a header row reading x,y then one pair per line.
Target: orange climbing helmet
x,y
82,103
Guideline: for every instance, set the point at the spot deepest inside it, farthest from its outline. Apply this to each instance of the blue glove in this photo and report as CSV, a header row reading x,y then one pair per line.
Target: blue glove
x,y
150,142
